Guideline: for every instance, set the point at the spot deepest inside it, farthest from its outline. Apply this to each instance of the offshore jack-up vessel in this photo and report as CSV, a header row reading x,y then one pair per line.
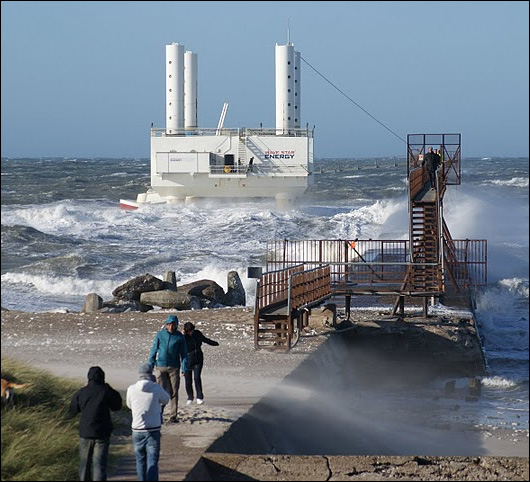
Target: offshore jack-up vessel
x,y
188,162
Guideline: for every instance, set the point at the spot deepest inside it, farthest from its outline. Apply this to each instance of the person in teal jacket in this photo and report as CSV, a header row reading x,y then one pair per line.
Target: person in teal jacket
x,y
168,355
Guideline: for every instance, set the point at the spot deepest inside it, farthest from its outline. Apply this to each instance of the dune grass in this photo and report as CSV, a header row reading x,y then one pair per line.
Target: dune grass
x,y
39,441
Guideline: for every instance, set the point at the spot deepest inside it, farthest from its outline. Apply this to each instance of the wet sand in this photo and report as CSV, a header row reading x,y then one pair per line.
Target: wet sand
x,y
256,402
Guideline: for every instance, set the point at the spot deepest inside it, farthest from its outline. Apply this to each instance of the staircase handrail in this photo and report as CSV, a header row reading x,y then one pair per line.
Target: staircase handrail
x,y
273,287
308,287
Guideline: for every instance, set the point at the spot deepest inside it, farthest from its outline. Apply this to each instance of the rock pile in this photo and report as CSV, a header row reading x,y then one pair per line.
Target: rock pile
x,y
143,293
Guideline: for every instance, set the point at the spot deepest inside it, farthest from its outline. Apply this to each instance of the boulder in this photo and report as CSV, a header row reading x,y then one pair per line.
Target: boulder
x,y
235,295
171,299
132,289
121,306
162,298
93,302
170,281
206,289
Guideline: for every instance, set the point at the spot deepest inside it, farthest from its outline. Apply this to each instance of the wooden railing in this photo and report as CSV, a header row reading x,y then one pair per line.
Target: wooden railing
x,y
281,298
273,287
418,178
309,287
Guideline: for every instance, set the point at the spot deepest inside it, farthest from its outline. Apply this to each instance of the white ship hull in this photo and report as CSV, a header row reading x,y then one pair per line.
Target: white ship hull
x,y
228,163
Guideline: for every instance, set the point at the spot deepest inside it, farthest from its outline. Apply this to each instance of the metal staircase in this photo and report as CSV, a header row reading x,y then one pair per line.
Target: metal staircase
x,y
242,150
432,251
273,332
426,273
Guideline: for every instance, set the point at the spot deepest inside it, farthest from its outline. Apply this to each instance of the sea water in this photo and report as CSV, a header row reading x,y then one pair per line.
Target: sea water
x,y
64,236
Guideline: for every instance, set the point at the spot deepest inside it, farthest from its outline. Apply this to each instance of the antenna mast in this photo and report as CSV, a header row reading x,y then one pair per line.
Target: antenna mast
x,y
221,119
288,32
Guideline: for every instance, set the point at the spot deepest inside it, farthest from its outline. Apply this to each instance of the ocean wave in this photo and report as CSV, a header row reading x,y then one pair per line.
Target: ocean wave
x,y
498,382
503,295
363,175
479,214
502,312
364,222
514,181
57,285
59,217
516,285
24,235
440,309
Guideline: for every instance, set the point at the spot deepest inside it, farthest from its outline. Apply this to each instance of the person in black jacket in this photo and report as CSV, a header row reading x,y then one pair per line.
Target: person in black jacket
x,y
432,161
94,402
194,340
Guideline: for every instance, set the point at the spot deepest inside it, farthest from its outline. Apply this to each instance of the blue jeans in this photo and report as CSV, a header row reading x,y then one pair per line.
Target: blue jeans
x,y
147,451
93,457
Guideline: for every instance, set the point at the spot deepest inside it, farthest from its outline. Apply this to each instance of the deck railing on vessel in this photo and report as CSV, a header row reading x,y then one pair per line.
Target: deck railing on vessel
x,y
268,169
242,132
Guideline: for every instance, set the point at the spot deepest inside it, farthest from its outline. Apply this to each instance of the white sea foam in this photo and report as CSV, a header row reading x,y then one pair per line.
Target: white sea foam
x,y
364,176
503,296
240,223
440,309
497,382
502,310
56,285
366,222
514,181
516,285
62,218
479,215
501,221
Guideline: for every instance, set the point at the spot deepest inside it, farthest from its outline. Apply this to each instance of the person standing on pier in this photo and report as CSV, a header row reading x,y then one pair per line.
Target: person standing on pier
x,y
431,162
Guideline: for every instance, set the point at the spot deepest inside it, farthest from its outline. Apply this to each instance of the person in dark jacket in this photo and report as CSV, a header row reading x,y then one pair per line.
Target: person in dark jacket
x,y
94,402
431,161
168,355
194,340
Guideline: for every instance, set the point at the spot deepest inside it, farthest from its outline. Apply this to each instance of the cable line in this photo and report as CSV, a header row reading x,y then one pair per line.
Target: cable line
x,y
351,100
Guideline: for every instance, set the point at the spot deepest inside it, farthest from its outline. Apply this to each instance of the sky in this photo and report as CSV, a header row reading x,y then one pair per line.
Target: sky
x,y
87,79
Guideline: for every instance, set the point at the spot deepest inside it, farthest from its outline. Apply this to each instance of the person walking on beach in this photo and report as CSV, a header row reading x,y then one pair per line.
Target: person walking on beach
x,y
431,161
146,398
194,340
94,402
168,355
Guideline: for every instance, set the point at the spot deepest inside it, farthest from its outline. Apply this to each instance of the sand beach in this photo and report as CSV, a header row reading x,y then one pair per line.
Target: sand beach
x,y
268,415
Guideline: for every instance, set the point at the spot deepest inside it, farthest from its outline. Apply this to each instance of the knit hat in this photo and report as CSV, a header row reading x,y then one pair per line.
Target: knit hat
x,y
145,369
172,319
